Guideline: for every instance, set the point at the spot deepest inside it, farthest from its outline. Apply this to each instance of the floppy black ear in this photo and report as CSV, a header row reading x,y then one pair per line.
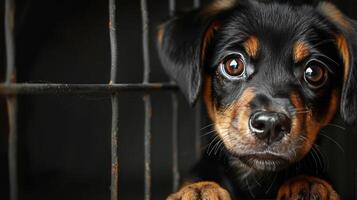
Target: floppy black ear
x,y
181,43
348,105
346,42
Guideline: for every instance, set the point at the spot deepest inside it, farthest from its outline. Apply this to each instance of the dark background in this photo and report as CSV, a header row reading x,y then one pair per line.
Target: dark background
x,y
64,141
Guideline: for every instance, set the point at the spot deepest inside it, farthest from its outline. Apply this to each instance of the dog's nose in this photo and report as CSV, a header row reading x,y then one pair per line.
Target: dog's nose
x,y
269,126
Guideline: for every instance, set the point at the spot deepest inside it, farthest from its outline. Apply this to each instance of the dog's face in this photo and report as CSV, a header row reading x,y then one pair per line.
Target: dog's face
x,y
273,74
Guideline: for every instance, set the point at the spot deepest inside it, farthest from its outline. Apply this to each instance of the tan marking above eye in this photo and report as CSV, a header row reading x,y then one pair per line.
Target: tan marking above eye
x,y
342,46
301,51
252,46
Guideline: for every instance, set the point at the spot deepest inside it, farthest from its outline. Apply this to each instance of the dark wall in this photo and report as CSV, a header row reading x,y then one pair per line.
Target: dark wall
x,y
65,140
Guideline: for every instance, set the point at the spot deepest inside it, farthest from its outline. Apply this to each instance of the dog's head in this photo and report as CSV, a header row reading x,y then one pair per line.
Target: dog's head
x,y
272,73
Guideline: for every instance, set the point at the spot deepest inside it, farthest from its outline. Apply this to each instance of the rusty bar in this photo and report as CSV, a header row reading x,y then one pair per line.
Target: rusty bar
x,y
114,187
198,130
146,99
114,148
147,146
9,28
196,4
175,162
63,89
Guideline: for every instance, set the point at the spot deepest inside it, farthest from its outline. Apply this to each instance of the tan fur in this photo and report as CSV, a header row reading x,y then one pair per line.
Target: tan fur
x,y
160,34
335,15
252,46
298,118
201,190
238,111
313,126
342,45
207,38
293,188
301,51
207,96
218,6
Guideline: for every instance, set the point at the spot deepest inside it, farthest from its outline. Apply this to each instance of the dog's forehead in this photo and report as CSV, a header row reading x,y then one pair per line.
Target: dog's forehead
x,y
274,24
281,31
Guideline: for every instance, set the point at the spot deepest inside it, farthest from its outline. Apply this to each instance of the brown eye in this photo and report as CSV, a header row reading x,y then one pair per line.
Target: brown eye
x,y
233,67
315,74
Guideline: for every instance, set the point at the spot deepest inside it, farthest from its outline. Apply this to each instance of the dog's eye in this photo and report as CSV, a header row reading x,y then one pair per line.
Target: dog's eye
x,y
315,74
233,67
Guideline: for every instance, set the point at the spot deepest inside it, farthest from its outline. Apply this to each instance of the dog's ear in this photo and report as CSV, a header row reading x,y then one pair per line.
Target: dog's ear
x,y
346,41
182,43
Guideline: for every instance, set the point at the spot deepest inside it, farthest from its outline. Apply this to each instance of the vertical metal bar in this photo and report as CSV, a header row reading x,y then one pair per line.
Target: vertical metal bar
x,y
113,40
115,103
145,40
196,3
11,100
9,41
147,146
175,163
198,130
172,7
174,100
146,99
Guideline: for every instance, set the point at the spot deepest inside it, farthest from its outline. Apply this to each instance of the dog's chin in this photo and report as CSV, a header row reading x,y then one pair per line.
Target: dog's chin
x,y
262,162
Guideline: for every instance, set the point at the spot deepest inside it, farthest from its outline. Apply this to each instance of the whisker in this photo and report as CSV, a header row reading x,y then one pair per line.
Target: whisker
x,y
334,141
209,125
337,126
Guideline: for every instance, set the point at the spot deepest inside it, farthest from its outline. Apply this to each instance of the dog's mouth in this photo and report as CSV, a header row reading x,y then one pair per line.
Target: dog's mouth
x,y
264,161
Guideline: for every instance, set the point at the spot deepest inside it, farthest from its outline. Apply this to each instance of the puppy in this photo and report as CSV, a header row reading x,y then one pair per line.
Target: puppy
x,y
272,74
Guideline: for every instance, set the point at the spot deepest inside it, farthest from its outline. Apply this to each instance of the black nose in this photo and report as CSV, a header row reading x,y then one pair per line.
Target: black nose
x,y
269,126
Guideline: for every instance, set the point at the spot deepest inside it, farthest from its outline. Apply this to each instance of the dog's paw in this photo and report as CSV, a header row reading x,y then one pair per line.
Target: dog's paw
x,y
201,190
306,188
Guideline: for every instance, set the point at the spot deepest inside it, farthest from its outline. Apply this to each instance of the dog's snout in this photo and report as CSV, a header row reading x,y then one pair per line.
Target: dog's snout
x,y
269,126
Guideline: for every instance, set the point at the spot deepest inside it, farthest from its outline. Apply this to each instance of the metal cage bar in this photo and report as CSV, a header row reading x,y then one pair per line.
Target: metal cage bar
x,y
174,102
69,89
9,28
198,145
146,99
115,102
196,3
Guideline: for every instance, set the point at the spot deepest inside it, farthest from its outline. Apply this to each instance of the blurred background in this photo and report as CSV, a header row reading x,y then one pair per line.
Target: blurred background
x,y
64,141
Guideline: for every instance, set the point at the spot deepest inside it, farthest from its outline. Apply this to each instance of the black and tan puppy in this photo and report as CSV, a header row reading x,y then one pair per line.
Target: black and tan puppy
x,y
272,74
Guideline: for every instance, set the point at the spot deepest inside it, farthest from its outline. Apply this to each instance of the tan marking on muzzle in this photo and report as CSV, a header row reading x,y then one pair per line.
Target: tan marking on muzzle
x,y
298,117
313,126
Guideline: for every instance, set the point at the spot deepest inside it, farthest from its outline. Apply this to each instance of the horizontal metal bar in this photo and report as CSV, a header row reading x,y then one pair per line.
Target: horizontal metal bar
x,y
55,88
